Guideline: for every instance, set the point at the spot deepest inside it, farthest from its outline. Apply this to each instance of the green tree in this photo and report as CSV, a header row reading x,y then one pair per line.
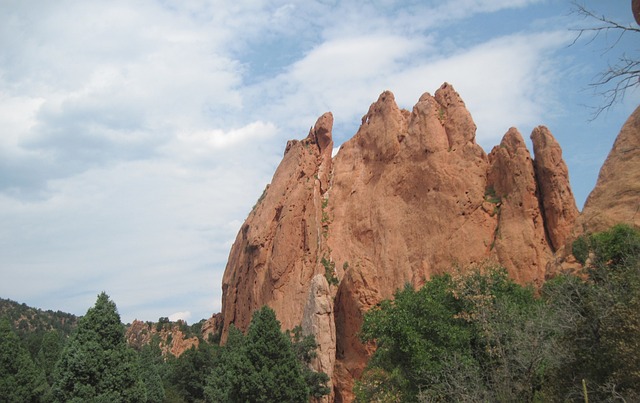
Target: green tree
x,y
414,334
224,383
49,353
514,335
599,317
96,364
463,338
151,370
20,379
189,372
259,367
305,350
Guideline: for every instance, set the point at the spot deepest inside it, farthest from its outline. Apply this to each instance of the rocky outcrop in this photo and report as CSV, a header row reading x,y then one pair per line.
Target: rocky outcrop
x,y
616,196
411,195
171,338
212,327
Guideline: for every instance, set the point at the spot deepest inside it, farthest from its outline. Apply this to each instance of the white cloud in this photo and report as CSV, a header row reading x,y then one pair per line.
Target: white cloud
x,y
201,143
508,81
186,315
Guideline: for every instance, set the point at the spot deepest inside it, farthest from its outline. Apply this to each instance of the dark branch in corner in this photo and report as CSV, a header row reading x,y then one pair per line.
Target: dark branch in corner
x,y
613,83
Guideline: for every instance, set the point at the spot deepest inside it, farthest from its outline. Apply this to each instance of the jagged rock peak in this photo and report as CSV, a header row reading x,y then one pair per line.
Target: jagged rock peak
x,y
458,123
552,175
385,104
513,141
321,132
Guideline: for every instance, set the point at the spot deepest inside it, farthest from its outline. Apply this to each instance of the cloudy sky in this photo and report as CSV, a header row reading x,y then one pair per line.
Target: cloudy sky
x,y
136,136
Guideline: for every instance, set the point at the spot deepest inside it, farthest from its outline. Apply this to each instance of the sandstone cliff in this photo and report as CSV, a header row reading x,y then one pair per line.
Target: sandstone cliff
x,y
616,196
409,196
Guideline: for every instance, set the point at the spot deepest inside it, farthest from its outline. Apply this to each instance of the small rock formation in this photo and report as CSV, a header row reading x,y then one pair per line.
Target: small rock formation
x,y
616,196
411,195
172,339
212,327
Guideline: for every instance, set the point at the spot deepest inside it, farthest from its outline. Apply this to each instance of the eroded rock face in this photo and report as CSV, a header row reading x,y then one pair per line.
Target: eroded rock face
x,y
318,320
616,196
278,249
411,195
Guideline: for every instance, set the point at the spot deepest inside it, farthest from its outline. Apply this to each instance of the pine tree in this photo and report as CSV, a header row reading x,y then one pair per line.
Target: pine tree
x,y
261,367
96,364
277,374
20,379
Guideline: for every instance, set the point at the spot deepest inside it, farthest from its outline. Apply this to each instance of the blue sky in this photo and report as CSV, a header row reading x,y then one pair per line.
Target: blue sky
x,y
136,136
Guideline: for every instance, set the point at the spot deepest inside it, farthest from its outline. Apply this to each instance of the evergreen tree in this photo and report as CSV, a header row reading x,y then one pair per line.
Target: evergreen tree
x,y
151,367
276,374
49,353
224,384
96,364
188,373
259,367
20,379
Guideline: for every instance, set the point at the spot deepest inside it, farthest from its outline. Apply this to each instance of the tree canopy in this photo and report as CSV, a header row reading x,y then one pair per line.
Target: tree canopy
x,y
20,379
260,367
96,364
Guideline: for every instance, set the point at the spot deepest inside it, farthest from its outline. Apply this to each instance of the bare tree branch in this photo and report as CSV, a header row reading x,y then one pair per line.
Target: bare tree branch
x,y
613,83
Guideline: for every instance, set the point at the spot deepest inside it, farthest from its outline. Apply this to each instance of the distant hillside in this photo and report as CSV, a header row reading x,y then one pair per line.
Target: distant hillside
x,y
31,324
27,319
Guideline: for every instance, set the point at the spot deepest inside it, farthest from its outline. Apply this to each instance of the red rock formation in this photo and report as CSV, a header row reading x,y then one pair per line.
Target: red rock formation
x,y
519,241
279,247
172,339
616,196
409,196
559,206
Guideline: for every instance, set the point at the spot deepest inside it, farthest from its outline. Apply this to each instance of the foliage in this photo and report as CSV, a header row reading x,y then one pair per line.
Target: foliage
x,y
49,353
20,379
152,369
481,337
187,374
469,337
415,332
329,271
304,347
600,319
96,364
262,366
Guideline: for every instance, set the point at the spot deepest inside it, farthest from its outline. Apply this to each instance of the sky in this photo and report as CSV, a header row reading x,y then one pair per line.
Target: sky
x,y
135,136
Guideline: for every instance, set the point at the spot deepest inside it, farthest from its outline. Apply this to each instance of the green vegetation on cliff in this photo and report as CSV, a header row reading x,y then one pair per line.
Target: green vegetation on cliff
x,y
481,337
